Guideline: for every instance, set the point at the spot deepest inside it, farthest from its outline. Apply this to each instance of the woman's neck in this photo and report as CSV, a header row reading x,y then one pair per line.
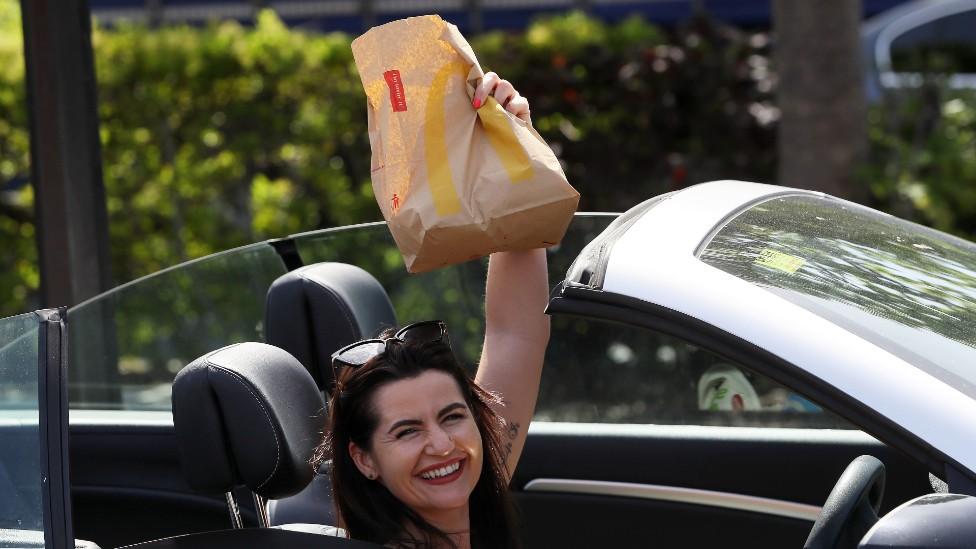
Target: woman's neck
x,y
449,520
462,540
454,523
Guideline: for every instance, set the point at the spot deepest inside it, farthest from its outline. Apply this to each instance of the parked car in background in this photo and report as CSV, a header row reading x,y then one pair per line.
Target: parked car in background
x,y
917,40
719,356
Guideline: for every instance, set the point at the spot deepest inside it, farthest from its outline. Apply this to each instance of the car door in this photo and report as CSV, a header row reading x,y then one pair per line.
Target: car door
x,y
639,440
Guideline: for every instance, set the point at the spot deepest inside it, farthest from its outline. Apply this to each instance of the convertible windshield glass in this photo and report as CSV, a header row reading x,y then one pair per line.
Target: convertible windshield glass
x,y
904,287
20,453
128,344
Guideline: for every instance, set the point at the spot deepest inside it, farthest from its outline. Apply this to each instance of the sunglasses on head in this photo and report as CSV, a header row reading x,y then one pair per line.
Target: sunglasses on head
x,y
361,352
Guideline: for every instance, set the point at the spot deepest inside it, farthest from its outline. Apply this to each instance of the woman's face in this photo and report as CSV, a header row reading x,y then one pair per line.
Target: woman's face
x,y
426,448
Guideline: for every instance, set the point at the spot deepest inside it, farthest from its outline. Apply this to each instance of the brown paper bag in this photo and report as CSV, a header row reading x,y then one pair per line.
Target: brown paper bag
x,y
453,183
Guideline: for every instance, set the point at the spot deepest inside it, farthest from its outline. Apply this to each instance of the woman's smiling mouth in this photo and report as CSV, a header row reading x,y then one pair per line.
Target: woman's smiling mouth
x,y
444,473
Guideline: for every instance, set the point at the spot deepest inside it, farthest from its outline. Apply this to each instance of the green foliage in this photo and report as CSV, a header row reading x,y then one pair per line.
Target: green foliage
x,y
923,164
224,135
633,112
19,273
217,136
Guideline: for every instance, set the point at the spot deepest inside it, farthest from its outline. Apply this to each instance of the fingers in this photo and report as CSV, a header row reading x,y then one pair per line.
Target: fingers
x,y
493,85
519,106
504,92
484,89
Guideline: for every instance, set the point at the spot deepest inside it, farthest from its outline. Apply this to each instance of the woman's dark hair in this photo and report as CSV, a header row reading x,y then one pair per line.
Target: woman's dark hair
x,y
366,509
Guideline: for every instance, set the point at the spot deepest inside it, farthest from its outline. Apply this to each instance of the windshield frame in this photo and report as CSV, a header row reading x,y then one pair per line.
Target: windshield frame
x,y
53,408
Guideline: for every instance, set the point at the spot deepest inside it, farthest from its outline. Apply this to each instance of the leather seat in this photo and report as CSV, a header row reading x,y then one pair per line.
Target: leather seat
x,y
312,312
248,414
316,310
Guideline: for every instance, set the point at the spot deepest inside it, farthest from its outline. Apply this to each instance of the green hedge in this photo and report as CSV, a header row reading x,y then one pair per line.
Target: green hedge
x,y
217,136
923,158
19,276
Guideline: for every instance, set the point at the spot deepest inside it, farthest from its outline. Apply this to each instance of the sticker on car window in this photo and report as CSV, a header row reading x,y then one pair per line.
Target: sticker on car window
x,y
787,263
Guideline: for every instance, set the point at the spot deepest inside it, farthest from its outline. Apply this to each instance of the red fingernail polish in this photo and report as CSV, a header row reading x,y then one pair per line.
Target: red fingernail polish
x,y
476,103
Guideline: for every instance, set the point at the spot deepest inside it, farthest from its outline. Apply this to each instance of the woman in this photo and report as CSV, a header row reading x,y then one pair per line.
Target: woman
x,y
421,454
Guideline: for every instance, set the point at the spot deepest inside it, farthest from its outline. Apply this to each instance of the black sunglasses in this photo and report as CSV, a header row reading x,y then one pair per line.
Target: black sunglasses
x,y
361,352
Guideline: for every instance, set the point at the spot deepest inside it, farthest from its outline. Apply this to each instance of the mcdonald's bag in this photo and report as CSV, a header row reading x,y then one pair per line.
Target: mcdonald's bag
x,y
453,183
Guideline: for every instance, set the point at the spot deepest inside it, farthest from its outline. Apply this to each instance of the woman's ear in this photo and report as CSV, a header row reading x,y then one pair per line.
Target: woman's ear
x,y
364,461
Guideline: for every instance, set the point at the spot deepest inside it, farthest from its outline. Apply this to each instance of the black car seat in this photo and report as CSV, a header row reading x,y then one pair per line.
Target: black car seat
x,y
312,312
317,309
247,415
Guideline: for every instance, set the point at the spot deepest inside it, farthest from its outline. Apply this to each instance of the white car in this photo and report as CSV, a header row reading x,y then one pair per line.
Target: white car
x,y
869,315
719,356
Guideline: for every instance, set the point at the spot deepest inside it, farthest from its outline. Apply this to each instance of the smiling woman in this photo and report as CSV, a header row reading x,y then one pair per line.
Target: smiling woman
x,y
421,453
416,453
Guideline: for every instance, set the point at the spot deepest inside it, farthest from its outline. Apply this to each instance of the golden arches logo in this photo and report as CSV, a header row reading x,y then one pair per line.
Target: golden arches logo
x,y
498,128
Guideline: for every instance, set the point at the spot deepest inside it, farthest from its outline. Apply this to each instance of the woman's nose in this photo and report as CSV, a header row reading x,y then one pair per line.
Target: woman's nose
x,y
440,442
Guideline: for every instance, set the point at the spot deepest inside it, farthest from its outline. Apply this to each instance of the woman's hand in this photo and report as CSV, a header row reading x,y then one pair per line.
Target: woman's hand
x,y
503,92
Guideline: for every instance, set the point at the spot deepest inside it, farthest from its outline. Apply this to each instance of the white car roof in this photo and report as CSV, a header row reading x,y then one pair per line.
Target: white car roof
x,y
654,260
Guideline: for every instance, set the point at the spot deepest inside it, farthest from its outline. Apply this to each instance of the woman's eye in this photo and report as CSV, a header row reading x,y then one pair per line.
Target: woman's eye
x,y
405,432
454,417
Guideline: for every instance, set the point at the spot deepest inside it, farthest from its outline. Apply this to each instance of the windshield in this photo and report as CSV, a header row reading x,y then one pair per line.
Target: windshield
x,y
904,287
20,453
128,344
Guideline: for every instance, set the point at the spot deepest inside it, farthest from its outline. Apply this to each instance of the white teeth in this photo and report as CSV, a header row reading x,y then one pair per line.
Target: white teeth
x,y
442,472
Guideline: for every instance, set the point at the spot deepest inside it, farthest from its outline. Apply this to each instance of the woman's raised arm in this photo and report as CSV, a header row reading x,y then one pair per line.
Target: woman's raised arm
x,y
516,329
516,336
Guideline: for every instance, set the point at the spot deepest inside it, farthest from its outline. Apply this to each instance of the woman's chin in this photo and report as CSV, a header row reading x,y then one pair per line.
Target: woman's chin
x,y
451,497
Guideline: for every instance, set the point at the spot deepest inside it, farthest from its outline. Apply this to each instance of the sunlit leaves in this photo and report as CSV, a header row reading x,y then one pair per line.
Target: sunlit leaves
x,y
639,110
222,135
19,273
923,163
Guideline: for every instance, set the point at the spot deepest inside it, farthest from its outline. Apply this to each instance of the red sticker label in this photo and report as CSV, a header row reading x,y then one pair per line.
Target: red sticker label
x,y
397,98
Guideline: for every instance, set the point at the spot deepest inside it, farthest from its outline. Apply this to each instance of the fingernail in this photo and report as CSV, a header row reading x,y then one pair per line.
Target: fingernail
x,y
476,103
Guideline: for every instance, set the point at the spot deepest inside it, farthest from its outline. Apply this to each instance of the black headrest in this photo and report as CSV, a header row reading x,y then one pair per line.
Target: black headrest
x,y
247,414
314,311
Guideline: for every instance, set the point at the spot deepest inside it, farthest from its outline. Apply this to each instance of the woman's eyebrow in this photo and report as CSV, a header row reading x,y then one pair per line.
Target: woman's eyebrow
x,y
404,422
451,407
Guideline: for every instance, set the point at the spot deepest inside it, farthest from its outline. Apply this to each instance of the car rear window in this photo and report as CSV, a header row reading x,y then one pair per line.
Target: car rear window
x,y
904,287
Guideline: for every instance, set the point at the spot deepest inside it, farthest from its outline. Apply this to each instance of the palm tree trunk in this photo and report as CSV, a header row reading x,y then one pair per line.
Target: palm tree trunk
x,y
823,125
